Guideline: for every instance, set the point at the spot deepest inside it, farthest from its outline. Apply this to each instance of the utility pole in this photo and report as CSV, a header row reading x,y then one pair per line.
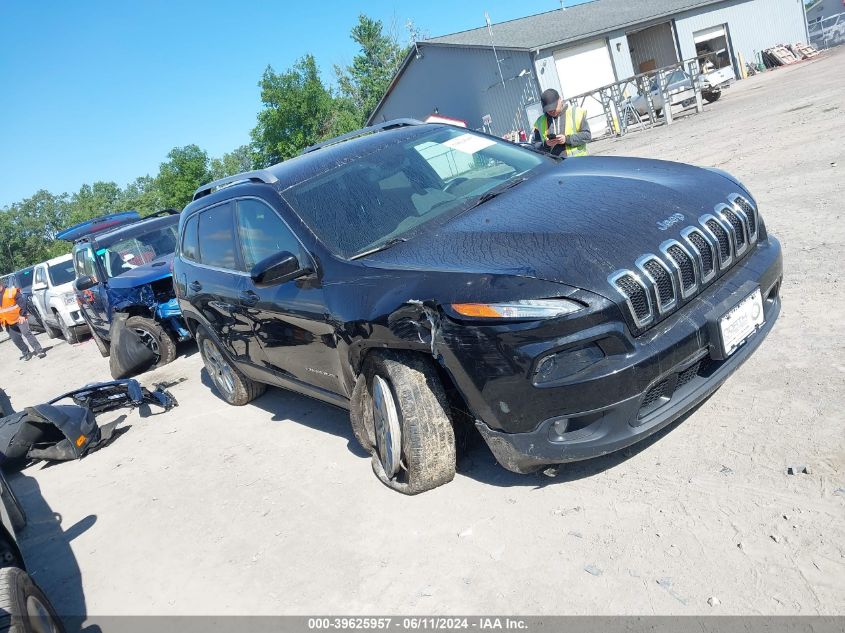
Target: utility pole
x,y
495,54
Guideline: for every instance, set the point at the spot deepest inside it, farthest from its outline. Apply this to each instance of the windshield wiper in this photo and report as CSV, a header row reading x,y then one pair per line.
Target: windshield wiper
x,y
486,197
382,247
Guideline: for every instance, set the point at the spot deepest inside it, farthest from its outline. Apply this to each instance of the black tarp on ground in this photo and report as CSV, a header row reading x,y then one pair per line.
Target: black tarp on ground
x,y
61,432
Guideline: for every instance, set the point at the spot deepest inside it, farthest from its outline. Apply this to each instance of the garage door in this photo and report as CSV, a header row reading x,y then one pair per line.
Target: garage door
x,y
584,68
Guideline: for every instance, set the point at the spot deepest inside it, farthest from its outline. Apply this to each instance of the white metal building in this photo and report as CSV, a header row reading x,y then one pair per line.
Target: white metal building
x,y
577,50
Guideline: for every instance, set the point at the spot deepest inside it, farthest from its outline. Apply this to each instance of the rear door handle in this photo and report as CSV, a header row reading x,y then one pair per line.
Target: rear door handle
x,y
249,298
195,286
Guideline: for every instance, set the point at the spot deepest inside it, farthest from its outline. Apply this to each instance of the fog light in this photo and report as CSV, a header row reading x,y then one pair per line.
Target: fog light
x,y
563,364
560,425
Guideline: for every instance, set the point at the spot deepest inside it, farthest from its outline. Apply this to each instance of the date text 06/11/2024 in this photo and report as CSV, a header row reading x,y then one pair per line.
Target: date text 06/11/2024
x,y
419,623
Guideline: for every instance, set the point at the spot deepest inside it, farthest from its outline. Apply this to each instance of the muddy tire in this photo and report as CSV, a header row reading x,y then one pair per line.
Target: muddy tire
x,y
102,346
235,388
24,607
68,333
155,337
404,397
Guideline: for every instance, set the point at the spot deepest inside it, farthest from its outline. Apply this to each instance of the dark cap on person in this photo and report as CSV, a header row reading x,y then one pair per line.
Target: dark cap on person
x,y
549,99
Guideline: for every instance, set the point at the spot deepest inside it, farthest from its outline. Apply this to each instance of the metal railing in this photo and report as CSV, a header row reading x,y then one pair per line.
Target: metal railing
x,y
616,99
827,32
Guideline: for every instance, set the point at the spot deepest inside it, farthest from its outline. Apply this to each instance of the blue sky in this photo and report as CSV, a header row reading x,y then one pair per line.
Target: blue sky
x,y
97,90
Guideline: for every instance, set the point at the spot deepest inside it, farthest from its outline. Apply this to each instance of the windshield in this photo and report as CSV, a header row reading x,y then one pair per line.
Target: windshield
x,y
389,194
127,254
61,273
23,279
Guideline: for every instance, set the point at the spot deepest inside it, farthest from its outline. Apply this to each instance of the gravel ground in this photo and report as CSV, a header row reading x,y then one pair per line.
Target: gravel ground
x,y
272,508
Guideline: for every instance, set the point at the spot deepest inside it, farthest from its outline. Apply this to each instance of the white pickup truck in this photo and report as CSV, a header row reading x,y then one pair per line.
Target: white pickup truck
x,y
54,298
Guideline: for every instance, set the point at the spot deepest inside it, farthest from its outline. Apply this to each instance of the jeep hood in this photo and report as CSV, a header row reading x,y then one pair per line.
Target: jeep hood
x,y
574,224
148,273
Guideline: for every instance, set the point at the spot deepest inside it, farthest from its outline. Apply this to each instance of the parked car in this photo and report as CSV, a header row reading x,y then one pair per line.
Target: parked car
x,y
54,298
122,264
23,605
679,89
420,275
22,280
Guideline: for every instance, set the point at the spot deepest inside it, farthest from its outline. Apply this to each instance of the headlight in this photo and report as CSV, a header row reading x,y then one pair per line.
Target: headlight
x,y
524,309
70,299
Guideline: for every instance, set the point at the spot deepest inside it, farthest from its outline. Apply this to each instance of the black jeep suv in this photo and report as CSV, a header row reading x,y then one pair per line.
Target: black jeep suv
x,y
417,273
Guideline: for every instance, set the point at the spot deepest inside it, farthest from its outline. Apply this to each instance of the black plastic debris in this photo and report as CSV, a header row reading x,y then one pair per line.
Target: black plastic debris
x,y
128,356
62,432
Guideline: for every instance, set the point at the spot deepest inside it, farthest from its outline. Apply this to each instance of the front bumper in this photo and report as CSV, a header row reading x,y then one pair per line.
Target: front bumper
x,y
626,397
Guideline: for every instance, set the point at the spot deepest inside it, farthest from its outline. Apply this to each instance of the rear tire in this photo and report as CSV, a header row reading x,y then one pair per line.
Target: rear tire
x,y
235,388
24,607
69,334
155,337
405,397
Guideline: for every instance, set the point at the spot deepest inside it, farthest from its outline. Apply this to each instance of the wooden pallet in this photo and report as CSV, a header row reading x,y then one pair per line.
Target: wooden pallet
x,y
783,55
803,50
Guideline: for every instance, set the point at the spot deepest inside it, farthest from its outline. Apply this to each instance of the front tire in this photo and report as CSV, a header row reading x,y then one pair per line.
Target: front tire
x,y
155,337
24,607
235,388
407,409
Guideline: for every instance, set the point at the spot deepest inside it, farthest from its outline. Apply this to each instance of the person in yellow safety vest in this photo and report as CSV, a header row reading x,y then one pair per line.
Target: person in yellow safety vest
x,y
13,313
561,129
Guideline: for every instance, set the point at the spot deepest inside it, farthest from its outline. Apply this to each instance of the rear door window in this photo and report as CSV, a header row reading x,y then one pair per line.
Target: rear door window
x,y
190,240
262,233
216,234
39,276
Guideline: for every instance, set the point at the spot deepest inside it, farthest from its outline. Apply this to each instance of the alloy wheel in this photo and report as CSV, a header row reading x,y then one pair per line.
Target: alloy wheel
x,y
149,340
387,429
220,371
39,617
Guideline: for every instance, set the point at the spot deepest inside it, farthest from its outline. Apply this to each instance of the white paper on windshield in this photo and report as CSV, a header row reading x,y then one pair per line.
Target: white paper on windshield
x,y
469,143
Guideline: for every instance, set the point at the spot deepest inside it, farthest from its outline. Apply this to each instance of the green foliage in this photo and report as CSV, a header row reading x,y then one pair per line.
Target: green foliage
x,y
297,112
185,170
365,81
234,162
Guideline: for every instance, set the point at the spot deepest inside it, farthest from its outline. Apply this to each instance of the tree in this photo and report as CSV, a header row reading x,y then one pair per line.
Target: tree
x,y
231,163
93,200
365,81
178,177
297,112
29,229
142,195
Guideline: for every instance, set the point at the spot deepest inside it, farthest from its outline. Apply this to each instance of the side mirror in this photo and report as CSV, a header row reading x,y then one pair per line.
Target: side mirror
x,y
84,282
277,269
39,286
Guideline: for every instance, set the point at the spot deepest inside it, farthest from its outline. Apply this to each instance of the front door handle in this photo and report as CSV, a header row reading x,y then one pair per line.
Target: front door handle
x,y
195,286
249,298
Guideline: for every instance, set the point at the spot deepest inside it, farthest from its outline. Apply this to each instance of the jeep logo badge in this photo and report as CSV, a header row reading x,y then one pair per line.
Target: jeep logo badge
x,y
668,222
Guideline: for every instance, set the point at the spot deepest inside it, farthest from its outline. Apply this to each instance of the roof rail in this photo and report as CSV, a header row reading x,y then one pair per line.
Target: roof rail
x,y
259,175
156,214
378,127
